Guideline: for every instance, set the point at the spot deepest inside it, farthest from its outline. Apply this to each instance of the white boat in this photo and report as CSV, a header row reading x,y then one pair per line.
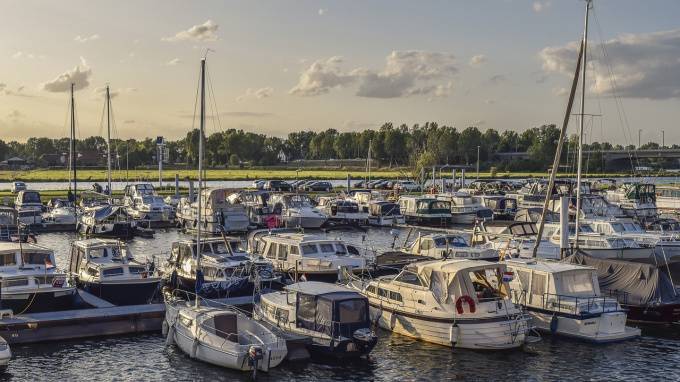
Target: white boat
x,y
297,211
384,214
5,354
465,209
29,207
668,199
257,207
457,303
143,203
107,269
314,257
565,299
31,281
218,214
333,316
516,239
448,246
637,200
61,212
344,211
107,221
425,210
603,246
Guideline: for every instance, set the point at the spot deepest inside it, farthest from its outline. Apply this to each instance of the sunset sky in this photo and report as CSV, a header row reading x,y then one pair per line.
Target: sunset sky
x,y
281,66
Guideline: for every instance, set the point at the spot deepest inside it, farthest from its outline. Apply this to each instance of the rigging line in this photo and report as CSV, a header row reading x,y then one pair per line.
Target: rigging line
x,y
101,120
212,92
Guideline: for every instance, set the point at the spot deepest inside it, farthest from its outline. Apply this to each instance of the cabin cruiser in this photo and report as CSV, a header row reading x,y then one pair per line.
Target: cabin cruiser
x,y
29,206
533,193
364,197
448,246
383,213
257,207
602,246
222,336
502,207
668,199
107,269
9,229
425,210
107,221
297,211
218,214
227,269
516,239
565,299
465,209
344,211
646,291
637,200
458,303
30,280
314,257
333,316
488,187
143,203
60,212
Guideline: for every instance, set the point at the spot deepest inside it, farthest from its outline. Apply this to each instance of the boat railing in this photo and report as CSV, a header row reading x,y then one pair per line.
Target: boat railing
x,y
577,305
620,296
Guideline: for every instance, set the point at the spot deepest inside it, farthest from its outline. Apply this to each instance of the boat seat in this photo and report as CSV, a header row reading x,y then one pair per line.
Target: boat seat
x,y
225,326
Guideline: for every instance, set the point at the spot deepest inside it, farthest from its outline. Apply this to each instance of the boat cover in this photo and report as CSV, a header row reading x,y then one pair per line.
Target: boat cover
x,y
641,283
104,212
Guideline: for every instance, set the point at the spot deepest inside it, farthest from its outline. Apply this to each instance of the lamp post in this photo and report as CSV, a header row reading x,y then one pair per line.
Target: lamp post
x,y
477,162
639,140
663,139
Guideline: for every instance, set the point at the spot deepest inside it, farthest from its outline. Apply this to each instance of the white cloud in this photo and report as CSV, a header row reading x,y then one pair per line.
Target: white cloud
x,y
478,60
322,11
84,39
478,122
173,62
405,73
256,94
642,65
15,114
80,76
202,32
26,55
540,6
100,92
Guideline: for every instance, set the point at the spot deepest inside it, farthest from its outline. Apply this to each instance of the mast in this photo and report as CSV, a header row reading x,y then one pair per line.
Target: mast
x,y
108,138
74,155
200,172
589,5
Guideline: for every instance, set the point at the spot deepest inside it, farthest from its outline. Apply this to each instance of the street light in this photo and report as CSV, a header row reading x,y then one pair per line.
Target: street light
x,y
639,135
663,139
477,162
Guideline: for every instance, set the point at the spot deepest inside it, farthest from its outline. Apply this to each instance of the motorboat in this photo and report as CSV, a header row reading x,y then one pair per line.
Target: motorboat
x,y
343,211
107,269
425,210
226,268
334,317
502,207
516,239
457,303
29,207
385,214
60,212
257,206
448,246
30,280
9,229
565,299
107,221
668,199
297,211
5,354
465,209
308,257
637,200
143,203
218,215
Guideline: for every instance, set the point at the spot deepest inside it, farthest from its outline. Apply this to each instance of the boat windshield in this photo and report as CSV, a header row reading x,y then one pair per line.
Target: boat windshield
x,y
7,259
450,241
151,199
31,197
235,246
36,258
352,311
104,252
486,282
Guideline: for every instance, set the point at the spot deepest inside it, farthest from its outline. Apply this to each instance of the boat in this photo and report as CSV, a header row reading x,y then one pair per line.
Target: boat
x,y
448,246
107,221
107,269
221,334
342,211
60,212
227,269
218,215
334,317
668,199
30,280
143,203
516,239
384,214
260,213
5,354
9,229
565,299
646,291
425,210
464,208
314,257
297,211
637,200
502,207
457,303
29,207
600,245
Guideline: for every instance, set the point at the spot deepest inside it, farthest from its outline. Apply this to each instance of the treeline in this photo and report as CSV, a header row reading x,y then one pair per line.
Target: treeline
x,y
392,146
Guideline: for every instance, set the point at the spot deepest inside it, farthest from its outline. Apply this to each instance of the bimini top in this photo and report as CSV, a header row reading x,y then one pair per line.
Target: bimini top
x,y
96,242
450,266
11,247
317,288
298,238
548,266
104,212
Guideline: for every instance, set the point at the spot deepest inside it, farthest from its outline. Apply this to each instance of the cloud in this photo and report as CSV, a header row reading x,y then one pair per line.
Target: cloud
x,y
15,114
322,11
18,92
478,60
540,6
129,121
173,62
498,79
406,73
26,55
84,39
643,65
478,122
100,92
256,94
80,76
202,32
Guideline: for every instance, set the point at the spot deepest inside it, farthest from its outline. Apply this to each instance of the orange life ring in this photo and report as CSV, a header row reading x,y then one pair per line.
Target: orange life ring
x,y
470,302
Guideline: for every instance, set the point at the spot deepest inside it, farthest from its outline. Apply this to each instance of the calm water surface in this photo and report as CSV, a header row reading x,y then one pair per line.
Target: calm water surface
x,y
655,356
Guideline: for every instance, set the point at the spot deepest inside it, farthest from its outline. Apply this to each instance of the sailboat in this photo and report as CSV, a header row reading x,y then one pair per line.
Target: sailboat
x,y
220,335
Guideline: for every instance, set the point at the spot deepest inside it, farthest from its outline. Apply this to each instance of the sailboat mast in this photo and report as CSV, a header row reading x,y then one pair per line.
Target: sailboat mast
x,y
108,138
74,155
589,5
200,172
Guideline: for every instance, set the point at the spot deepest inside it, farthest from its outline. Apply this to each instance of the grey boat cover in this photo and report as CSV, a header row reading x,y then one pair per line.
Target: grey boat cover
x,y
642,283
104,212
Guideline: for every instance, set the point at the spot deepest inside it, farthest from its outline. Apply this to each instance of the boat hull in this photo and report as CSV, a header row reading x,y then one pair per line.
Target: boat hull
x,y
121,230
123,293
661,314
607,327
48,300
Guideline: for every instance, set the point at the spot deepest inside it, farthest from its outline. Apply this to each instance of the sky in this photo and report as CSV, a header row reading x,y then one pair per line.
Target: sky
x,y
281,66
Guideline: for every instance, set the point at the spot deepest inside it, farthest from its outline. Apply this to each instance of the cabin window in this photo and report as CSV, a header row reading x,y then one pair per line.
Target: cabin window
x,y
281,315
8,259
309,249
383,293
306,309
575,284
326,248
283,252
96,253
538,284
370,289
425,244
14,283
352,311
271,251
409,278
294,250
37,258
340,249
395,296
112,272
137,269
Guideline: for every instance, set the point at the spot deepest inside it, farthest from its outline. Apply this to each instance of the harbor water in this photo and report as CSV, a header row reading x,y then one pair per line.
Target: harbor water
x,y
146,358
